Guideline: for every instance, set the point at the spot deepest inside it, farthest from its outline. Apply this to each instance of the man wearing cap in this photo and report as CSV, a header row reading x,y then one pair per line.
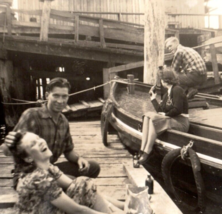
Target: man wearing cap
x,y
49,123
188,66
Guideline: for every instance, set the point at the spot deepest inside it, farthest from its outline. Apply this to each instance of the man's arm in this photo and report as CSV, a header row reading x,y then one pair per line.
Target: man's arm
x,y
72,156
83,164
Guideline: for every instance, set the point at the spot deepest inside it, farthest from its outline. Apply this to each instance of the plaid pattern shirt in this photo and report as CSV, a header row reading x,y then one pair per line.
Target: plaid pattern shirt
x,y
40,122
188,60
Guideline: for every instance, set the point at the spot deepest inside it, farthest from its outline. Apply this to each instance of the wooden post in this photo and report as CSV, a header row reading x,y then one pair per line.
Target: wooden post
x,y
101,33
119,16
107,77
214,64
131,85
177,35
154,38
9,20
220,21
45,19
76,28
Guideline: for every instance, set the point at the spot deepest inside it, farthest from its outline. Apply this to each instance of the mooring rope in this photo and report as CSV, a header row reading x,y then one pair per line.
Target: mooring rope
x,y
26,102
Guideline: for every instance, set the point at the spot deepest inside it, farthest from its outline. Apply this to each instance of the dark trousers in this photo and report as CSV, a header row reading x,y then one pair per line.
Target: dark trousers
x,y
191,79
72,169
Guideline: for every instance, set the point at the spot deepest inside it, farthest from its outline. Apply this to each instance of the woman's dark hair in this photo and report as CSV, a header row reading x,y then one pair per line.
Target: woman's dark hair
x,y
58,82
20,154
168,76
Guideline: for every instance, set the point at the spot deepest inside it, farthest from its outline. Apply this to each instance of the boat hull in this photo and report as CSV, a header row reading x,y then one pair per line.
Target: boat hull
x,y
128,127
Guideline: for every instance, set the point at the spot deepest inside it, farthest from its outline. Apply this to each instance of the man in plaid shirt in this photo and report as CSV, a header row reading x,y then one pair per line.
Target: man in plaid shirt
x,y
188,66
49,123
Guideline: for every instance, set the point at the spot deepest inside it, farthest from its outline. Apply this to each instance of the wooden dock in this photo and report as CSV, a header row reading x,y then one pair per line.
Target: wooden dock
x,y
116,169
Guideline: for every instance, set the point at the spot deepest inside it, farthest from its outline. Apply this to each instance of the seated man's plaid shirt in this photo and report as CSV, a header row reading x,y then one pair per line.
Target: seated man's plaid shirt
x,y
188,60
40,122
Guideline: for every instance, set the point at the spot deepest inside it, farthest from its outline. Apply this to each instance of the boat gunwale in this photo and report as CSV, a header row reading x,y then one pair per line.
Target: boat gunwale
x,y
188,136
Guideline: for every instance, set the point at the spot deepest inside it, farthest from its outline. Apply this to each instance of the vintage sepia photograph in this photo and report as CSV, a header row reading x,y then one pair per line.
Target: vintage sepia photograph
x,y
110,106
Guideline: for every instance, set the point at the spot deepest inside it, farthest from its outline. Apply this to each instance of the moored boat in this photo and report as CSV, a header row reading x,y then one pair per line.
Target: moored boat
x,y
123,111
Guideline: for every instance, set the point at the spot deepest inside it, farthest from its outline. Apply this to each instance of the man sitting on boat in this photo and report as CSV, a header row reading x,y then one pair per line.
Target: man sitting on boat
x,y
172,113
49,123
188,66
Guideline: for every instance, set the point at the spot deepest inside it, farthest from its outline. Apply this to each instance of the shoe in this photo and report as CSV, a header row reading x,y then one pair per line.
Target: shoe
x,y
144,158
191,93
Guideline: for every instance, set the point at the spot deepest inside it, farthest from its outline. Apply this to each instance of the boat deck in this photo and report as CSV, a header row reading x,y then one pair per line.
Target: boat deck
x,y
116,169
139,103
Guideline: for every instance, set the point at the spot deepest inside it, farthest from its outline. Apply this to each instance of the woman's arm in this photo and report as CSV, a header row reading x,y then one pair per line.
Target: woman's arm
x,y
158,107
66,204
177,100
64,181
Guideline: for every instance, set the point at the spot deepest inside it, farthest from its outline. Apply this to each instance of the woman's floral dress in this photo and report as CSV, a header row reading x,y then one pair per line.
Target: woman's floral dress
x,y
37,189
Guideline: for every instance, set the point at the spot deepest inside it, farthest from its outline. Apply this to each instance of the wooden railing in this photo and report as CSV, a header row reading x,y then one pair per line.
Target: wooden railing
x,y
100,32
194,20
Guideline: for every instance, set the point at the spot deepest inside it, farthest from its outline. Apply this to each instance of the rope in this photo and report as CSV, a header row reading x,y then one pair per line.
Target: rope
x,y
200,46
89,89
14,104
26,102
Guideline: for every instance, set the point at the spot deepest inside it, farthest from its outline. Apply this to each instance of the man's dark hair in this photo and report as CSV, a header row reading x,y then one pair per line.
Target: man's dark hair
x,y
58,82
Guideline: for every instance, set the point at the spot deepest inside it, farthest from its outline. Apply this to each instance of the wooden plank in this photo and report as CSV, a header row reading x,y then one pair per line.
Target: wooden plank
x,y
7,211
6,182
76,28
125,67
101,34
217,79
101,160
45,19
27,12
8,197
117,193
74,51
138,176
120,182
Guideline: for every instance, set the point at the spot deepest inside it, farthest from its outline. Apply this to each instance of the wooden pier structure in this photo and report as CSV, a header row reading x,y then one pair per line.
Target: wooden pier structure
x,y
116,169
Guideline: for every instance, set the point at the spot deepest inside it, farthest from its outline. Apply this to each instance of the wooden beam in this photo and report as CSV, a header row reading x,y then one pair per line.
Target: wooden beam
x,y
76,28
126,67
45,19
215,64
71,51
138,176
101,34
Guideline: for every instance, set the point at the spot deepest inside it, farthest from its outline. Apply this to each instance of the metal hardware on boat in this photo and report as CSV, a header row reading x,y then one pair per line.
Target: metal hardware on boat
x,y
184,150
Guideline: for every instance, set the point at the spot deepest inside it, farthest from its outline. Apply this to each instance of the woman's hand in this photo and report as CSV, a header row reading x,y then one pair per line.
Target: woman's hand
x,y
152,93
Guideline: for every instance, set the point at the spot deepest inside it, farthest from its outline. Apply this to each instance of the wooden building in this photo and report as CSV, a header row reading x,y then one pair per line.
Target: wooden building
x,y
77,39
127,10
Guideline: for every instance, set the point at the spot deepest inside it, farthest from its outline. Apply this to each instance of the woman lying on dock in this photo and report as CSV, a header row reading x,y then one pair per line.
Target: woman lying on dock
x,y
172,113
43,188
